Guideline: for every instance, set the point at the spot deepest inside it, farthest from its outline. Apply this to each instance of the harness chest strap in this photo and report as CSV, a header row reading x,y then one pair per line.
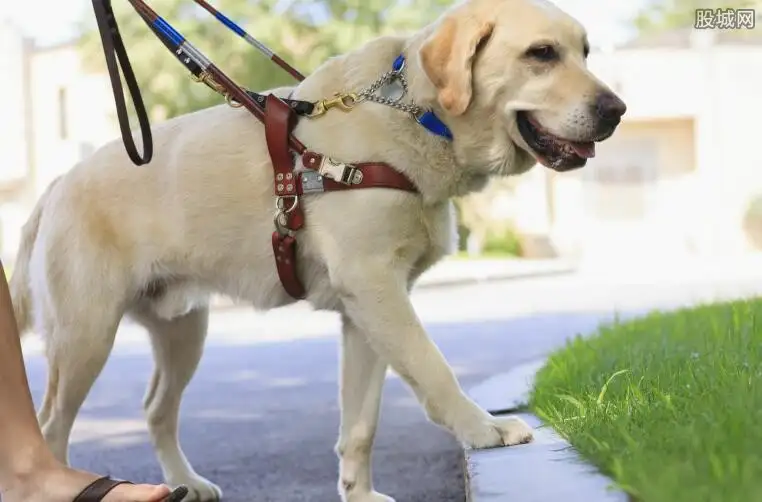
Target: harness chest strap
x,y
279,121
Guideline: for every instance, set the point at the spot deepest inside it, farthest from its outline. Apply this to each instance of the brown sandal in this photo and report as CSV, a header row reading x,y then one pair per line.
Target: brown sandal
x,y
98,489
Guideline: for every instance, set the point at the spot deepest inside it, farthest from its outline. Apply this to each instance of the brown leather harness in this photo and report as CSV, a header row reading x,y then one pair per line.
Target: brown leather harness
x,y
320,173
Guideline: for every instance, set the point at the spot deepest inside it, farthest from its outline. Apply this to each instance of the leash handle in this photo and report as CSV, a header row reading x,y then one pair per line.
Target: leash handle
x,y
250,40
116,57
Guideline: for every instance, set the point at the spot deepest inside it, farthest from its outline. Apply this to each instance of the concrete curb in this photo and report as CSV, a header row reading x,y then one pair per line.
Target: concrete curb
x,y
507,276
545,470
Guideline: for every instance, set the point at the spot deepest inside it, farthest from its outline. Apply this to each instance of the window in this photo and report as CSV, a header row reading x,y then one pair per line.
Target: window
x,y
63,116
620,179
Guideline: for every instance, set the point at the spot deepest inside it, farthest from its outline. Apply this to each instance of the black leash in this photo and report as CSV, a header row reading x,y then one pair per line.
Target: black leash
x,y
116,56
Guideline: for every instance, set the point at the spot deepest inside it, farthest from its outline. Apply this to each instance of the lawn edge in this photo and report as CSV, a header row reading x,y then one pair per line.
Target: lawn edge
x,y
546,470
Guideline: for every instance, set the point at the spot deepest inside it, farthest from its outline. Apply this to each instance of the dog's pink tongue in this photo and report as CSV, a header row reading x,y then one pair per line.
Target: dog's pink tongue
x,y
584,150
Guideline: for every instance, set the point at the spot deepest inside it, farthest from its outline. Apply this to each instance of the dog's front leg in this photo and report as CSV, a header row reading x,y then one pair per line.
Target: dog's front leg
x,y
377,302
362,381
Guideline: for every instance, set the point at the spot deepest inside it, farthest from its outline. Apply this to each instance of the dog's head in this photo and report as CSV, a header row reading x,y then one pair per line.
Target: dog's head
x,y
517,70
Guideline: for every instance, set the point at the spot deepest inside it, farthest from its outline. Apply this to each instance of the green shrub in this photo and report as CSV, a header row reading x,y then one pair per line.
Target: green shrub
x,y
505,242
752,221
754,207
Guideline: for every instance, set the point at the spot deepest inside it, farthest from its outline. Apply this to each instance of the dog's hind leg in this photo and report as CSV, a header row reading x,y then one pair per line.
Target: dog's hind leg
x,y
51,389
77,352
362,382
177,347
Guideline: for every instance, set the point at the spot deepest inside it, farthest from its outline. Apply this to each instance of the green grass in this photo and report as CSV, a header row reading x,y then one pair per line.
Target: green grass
x,y
487,255
669,406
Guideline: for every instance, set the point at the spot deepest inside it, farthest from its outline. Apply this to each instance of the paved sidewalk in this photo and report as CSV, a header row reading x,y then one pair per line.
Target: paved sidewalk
x,y
672,270
455,271
459,271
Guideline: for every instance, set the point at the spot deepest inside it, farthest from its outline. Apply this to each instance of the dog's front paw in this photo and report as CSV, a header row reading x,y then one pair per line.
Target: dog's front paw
x,y
498,432
199,489
513,431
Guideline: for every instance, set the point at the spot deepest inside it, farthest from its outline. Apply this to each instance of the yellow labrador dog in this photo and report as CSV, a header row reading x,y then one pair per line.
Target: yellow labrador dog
x,y
108,239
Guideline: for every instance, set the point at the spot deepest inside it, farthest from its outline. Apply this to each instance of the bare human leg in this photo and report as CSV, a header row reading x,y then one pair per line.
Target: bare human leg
x,y
28,470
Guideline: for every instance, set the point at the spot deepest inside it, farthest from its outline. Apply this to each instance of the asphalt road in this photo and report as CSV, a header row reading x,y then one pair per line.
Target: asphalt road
x,y
260,417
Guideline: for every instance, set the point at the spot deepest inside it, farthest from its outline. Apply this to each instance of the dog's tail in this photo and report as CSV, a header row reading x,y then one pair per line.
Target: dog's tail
x,y
19,282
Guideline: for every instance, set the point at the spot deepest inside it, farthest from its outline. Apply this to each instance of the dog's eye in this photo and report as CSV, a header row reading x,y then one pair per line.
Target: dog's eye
x,y
543,53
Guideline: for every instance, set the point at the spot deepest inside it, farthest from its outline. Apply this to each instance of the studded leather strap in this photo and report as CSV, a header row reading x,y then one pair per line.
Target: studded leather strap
x,y
278,122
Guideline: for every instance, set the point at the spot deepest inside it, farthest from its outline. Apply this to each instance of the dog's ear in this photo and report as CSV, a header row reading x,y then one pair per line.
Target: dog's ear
x,y
447,58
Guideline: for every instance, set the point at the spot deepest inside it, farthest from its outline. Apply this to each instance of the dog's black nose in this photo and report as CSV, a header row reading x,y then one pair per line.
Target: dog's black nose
x,y
609,107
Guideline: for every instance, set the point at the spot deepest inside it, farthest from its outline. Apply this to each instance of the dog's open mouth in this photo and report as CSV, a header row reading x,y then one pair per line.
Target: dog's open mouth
x,y
552,151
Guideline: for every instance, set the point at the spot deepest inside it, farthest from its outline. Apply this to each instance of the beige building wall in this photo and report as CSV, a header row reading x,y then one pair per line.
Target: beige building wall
x,y
52,114
73,112
732,157
689,147
15,154
635,196
13,101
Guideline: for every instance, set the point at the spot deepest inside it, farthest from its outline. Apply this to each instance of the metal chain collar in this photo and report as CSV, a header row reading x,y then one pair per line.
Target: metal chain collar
x,y
347,101
370,92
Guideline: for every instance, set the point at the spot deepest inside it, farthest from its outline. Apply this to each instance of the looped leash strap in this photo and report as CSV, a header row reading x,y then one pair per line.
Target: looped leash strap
x,y
116,56
279,119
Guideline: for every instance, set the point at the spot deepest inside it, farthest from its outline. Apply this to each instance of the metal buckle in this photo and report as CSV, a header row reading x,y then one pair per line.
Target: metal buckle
x,y
312,182
338,171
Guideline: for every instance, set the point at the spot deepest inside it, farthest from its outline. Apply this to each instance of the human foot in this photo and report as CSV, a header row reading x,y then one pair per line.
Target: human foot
x,y
64,485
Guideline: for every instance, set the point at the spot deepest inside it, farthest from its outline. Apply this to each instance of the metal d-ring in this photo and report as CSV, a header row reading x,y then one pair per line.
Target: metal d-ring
x,y
281,206
230,100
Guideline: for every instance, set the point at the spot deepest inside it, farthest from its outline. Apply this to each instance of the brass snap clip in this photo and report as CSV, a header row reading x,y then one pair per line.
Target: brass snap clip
x,y
343,101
